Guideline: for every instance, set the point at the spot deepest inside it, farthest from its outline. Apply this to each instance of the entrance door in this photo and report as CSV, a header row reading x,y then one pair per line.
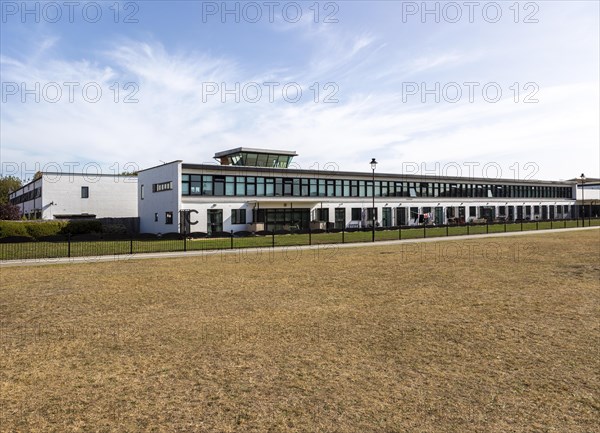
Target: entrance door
x,y
214,219
387,217
545,212
511,213
401,216
552,212
519,212
439,215
340,218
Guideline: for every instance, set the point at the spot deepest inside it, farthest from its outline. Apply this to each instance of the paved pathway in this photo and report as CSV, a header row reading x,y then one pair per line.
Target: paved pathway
x,y
143,256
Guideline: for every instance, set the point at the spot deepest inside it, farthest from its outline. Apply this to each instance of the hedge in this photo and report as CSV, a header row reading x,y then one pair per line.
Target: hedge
x,y
38,229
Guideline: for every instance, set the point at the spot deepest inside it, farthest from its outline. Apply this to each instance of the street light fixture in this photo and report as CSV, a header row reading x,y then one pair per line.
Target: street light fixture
x,y
373,167
582,177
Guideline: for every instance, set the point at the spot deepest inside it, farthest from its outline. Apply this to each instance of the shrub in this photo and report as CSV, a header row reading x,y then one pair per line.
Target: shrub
x,y
40,229
82,227
118,229
13,228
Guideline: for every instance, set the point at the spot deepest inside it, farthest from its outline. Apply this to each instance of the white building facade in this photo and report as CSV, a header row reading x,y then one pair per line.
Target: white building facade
x,y
253,190
75,195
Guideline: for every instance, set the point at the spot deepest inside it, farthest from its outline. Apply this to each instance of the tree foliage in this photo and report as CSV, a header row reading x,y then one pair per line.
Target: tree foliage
x,y
8,184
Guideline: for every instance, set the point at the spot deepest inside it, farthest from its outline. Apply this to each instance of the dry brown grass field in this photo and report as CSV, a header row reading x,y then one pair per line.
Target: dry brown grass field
x,y
493,336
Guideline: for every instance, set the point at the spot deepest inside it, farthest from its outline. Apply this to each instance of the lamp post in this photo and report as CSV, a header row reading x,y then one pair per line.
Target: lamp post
x,y
582,177
373,167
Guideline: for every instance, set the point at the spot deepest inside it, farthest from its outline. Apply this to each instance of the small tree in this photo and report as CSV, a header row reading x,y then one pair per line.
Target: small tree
x,y
9,211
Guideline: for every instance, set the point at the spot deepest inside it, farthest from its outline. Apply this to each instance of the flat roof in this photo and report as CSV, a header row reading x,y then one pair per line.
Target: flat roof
x,y
254,150
289,172
58,173
160,165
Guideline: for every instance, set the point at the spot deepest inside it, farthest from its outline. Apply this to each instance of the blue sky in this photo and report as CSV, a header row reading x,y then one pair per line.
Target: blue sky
x,y
375,61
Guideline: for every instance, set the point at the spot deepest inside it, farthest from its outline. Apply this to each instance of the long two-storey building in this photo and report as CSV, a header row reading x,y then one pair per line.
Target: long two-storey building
x,y
256,189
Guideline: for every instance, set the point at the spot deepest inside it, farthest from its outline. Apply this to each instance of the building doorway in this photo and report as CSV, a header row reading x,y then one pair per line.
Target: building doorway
x,y
439,215
214,219
511,213
401,216
340,218
386,217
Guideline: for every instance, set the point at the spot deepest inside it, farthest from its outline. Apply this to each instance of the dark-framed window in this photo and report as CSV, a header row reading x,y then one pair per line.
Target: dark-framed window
x,y
85,192
323,214
238,216
356,214
155,217
169,217
414,213
164,186
221,185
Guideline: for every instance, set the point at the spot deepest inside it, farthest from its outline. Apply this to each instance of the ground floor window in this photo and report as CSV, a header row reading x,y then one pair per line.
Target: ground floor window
x,y
414,213
371,214
356,214
472,211
238,216
168,217
322,214
284,219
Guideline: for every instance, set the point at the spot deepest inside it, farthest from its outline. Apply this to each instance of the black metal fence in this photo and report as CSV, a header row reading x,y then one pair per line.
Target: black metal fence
x,y
20,248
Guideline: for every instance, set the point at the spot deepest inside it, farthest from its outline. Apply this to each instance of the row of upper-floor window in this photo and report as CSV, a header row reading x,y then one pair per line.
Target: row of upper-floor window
x,y
29,195
210,185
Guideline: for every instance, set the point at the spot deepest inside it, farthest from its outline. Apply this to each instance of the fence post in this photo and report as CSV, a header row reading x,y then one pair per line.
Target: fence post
x,y
468,229
424,231
231,241
521,224
504,226
309,236
447,234
69,245
273,238
131,245
551,224
564,224
184,243
399,232
343,235
487,227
